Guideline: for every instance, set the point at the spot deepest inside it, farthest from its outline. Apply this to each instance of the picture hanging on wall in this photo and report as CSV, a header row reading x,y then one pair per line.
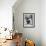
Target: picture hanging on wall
x,y
29,20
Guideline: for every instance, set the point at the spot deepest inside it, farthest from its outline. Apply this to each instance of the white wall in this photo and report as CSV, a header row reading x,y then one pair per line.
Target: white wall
x,y
43,22
29,6
6,13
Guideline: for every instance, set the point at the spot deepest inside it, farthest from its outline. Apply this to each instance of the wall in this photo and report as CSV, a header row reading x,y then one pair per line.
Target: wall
x,y
43,22
6,13
28,6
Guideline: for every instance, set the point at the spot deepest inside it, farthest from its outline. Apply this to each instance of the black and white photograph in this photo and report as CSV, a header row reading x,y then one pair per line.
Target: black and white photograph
x,y
29,20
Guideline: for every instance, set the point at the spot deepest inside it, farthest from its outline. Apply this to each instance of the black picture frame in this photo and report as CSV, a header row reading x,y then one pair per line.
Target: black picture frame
x,y
28,20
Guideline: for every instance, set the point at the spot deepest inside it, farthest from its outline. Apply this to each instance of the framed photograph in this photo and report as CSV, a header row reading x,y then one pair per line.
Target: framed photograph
x,y
29,20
